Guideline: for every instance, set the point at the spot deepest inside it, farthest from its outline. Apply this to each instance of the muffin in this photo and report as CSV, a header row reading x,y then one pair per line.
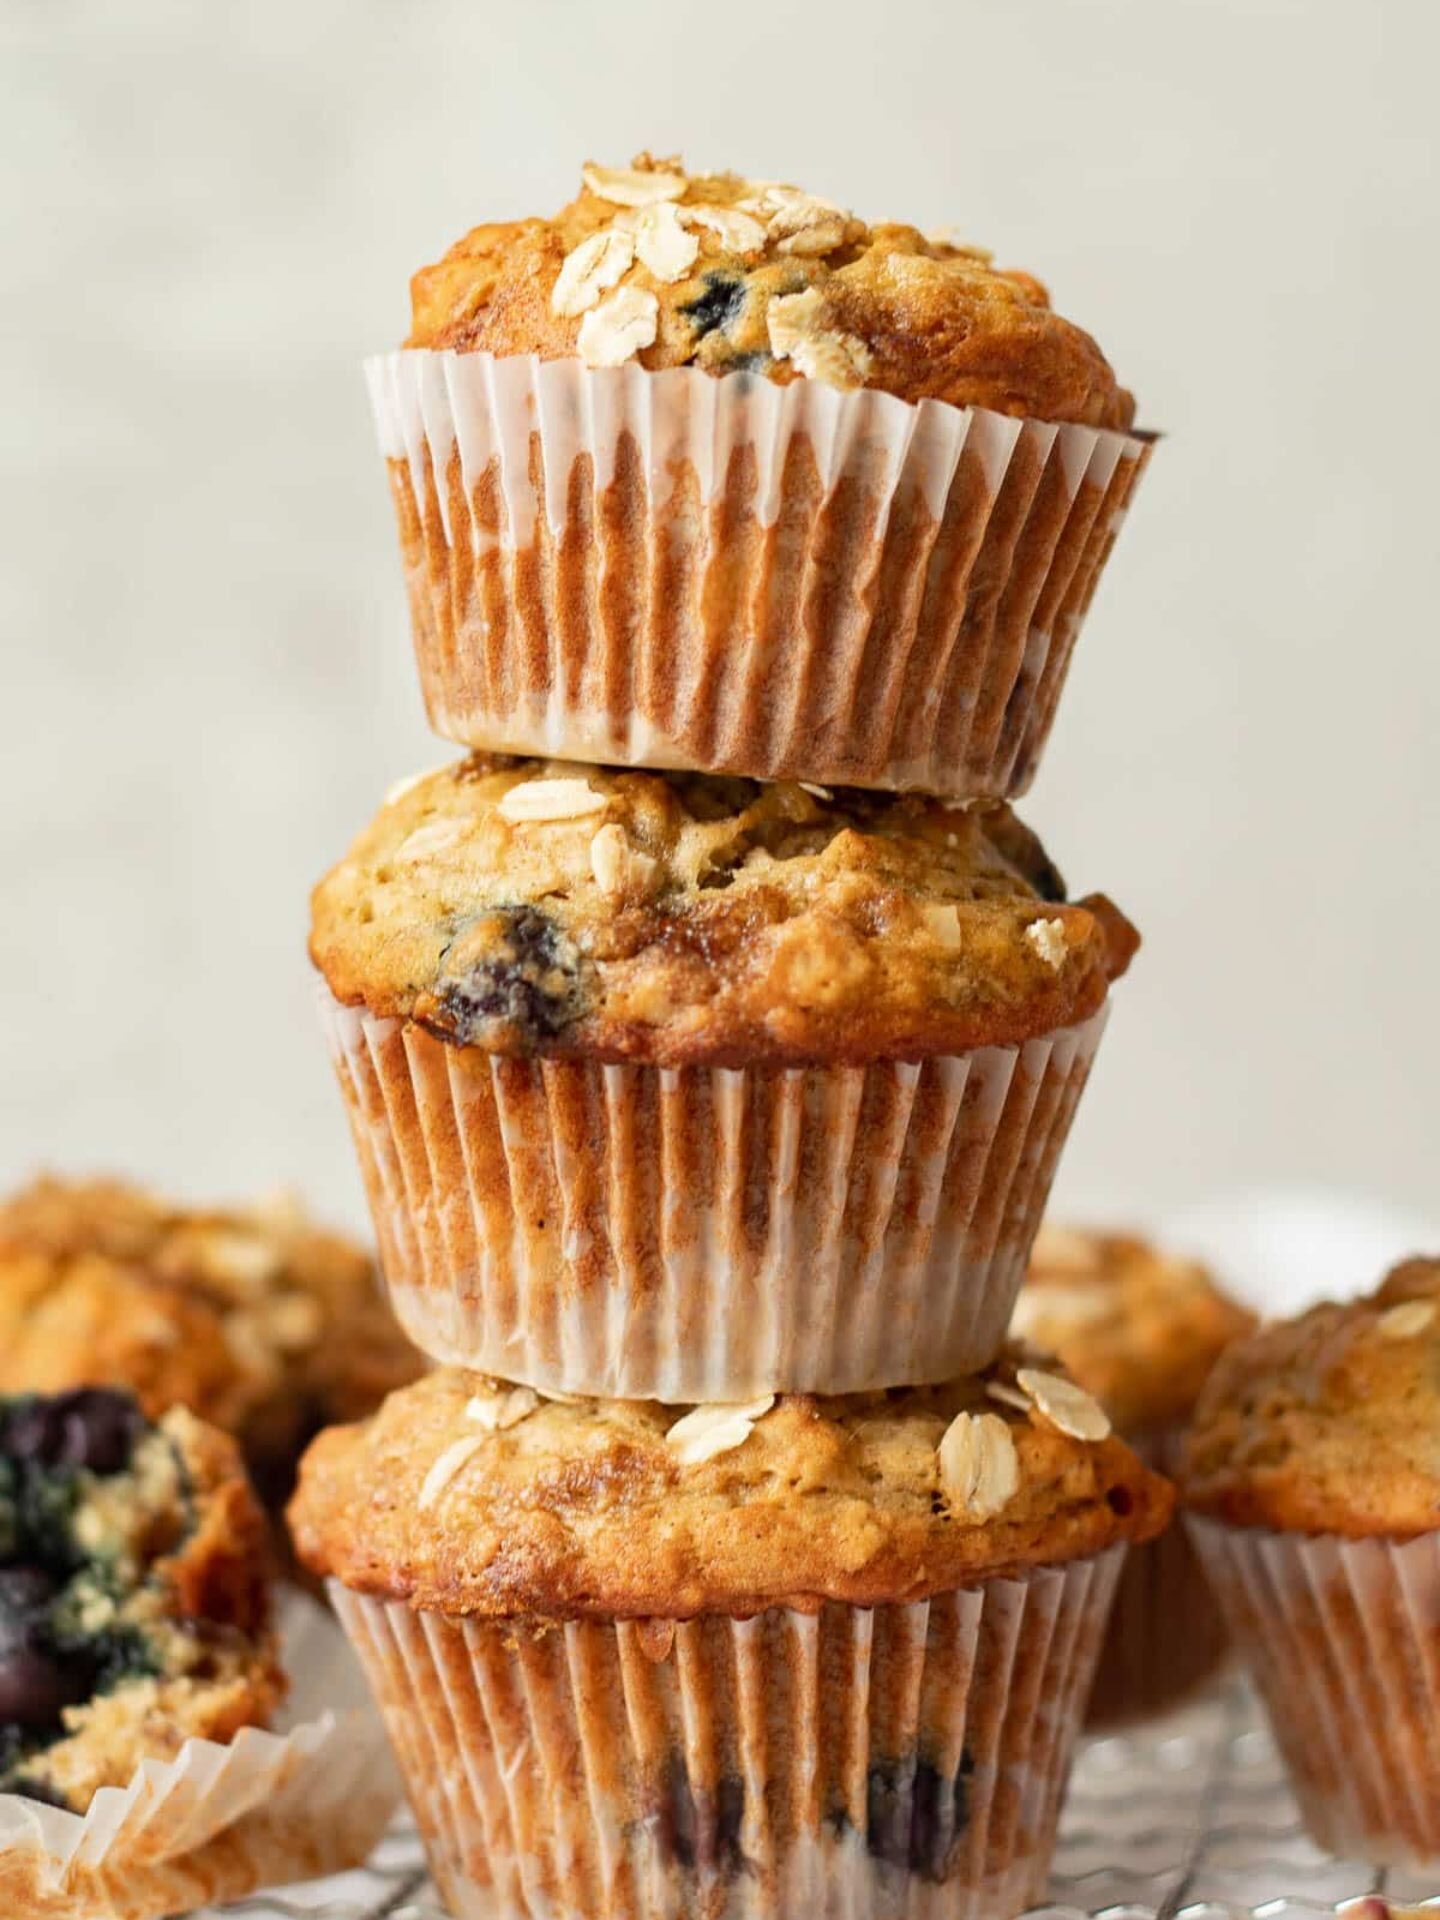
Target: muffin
x,y
832,1649
1312,1475
252,1317
707,472
134,1610
1141,1330
685,1088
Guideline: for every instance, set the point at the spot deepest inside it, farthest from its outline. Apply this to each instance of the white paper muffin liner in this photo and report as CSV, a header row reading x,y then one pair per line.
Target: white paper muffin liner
x,y
312,1797
673,569
1342,1638
850,1764
689,1234
1167,1634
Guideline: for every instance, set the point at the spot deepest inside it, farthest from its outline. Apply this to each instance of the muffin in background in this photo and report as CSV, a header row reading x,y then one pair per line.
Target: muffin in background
x,y
1312,1478
682,1087
706,471
833,1650
258,1321
134,1605
1140,1329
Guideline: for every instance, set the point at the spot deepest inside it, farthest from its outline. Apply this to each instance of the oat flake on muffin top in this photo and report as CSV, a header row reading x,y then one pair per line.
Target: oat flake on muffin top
x,y
546,907
1329,1423
466,1495
656,265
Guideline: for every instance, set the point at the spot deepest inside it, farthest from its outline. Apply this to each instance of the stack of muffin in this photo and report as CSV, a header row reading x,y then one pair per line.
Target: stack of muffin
x,y
729,1562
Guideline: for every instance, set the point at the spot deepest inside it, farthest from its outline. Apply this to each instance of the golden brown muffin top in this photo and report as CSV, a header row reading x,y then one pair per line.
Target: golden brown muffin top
x,y
715,271
469,1496
1138,1327
1329,1423
542,907
251,1316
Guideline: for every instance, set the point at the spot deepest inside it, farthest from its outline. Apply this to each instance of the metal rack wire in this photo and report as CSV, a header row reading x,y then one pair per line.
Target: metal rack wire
x,y
1191,1819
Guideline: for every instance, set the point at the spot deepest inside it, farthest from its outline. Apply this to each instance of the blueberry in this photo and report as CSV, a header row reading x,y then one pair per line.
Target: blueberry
x,y
91,1427
720,305
698,1829
524,979
36,1685
38,1790
915,1823
36,1681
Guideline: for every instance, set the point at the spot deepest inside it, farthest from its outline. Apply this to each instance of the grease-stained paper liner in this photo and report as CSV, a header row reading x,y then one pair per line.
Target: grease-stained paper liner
x,y
675,569
1167,1633
1343,1640
698,1233
313,1797
850,1764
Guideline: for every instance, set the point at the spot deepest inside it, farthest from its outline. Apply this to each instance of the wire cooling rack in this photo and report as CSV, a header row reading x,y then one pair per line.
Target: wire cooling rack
x,y
1191,1819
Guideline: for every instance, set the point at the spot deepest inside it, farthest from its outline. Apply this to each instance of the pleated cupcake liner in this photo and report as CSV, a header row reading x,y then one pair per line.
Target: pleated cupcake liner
x,y
895,1763
701,1234
221,1819
1342,1638
1167,1635
673,569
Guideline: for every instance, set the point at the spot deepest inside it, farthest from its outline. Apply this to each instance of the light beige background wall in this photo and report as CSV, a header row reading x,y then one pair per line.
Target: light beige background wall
x,y
209,216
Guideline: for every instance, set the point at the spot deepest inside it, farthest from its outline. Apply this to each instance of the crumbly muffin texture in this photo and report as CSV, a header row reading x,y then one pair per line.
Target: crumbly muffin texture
x,y
252,1317
468,1496
1139,1327
134,1608
545,907
1329,1423
654,264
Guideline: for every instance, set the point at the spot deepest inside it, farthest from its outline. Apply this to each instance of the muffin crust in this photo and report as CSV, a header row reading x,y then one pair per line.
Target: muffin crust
x,y
1137,1327
743,276
468,1497
252,1317
1329,1423
541,907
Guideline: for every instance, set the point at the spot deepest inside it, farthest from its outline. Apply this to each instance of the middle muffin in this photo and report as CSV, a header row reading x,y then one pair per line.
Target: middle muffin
x,y
680,1087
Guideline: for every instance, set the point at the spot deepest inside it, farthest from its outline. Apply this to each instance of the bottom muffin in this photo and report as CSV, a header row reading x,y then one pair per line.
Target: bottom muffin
x,y
134,1603
1312,1473
1140,1329
800,1655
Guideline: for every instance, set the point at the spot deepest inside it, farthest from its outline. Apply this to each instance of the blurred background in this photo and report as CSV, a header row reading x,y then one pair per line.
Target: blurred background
x,y
210,216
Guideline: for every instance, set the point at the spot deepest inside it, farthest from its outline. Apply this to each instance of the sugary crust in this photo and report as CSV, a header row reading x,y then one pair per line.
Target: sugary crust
x,y
1138,1327
685,919
582,1508
1329,1423
916,317
252,1317
206,1606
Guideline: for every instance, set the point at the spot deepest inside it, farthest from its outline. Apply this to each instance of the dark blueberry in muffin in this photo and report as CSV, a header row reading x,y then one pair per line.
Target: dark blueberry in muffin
x,y
720,305
91,1427
700,1830
915,1823
518,969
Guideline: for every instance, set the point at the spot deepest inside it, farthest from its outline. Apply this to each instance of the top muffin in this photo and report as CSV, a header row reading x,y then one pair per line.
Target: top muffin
x,y
252,1317
533,907
1138,1327
1329,1423
712,270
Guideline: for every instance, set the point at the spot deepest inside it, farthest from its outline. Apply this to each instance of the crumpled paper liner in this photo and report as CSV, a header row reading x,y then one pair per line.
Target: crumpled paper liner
x,y
674,569
267,1808
689,1234
842,1765
1343,1641
1167,1635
